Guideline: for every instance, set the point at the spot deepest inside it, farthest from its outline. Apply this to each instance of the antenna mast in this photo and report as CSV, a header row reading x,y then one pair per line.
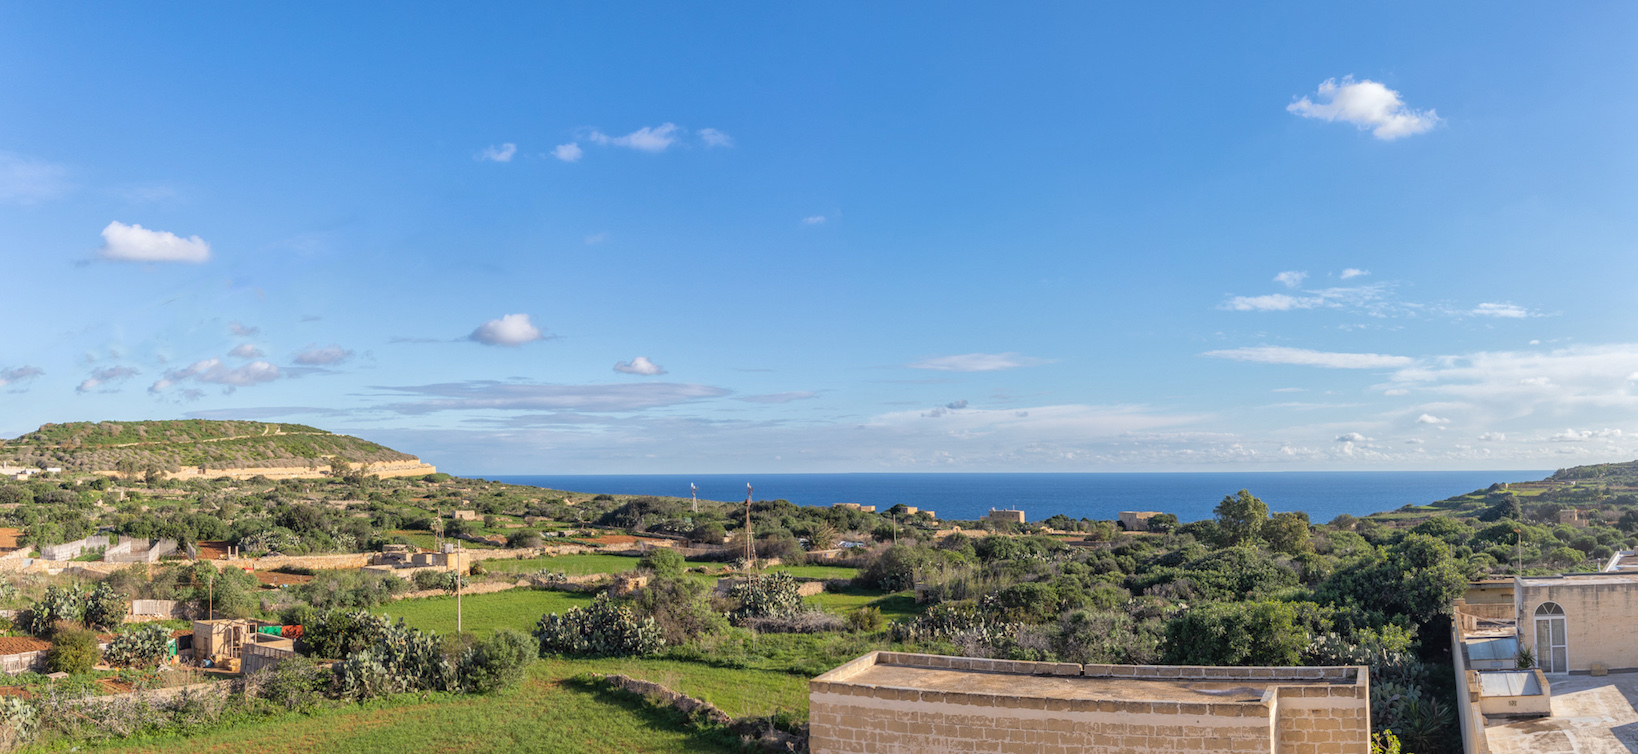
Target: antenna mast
x,y
695,493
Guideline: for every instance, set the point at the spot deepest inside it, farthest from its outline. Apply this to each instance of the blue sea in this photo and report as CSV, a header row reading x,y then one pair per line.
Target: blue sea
x,y
1191,496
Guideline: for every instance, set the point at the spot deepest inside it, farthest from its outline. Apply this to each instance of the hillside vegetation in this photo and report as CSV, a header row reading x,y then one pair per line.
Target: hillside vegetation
x,y
170,445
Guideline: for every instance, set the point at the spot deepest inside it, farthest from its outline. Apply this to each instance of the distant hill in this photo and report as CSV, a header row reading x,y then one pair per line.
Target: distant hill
x,y
196,447
1613,474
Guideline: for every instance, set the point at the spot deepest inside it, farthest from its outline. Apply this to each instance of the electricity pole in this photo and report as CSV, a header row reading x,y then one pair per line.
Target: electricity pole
x,y
695,493
458,551
750,534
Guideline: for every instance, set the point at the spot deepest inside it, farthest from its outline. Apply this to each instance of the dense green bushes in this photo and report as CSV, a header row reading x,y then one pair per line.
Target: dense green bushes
x,y
604,628
140,647
73,650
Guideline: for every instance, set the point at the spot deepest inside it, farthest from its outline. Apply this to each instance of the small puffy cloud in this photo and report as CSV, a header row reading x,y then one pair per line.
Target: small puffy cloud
x,y
1578,435
1353,437
714,138
596,238
1353,272
640,365
814,220
978,362
1366,104
1493,437
795,395
1500,311
25,181
570,152
498,153
101,378
214,372
246,351
16,375
956,405
645,139
243,331
1308,358
314,356
1290,278
1431,419
1273,302
510,330
134,243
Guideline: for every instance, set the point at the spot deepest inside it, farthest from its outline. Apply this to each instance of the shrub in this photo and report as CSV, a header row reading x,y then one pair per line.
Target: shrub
x,y
73,650
338,633
1236,633
142,647
477,569
764,596
354,589
105,607
602,629
866,619
295,683
445,580
58,605
498,661
523,539
663,561
401,659
680,608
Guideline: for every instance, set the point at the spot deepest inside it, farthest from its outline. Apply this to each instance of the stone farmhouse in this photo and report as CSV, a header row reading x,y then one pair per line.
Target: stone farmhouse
x,y
896,702
1549,664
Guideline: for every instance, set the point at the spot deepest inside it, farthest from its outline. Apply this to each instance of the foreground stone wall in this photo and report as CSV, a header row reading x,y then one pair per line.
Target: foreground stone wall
x,y
1316,718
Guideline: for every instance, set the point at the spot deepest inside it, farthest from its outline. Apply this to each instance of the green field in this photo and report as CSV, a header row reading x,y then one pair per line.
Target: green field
x,y
817,571
546,714
483,613
897,606
573,565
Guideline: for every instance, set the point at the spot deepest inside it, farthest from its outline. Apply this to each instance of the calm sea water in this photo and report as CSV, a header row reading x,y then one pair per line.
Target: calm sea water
x,y
1191,496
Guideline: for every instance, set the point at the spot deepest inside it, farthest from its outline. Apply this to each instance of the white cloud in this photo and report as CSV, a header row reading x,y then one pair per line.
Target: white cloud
x,y
1291,278
714,138
134,243
489,395
1353,272
1368,297
1493,436
640,365
246,351
1273,302
509,330
1579,435
25,181
596,238
1306,357
500,153
242,330
214,372
16,375
795,395
570,152
1366,104
1503,311
645,139
1353,437
323,356
978,362
103,377
814,220
1431,419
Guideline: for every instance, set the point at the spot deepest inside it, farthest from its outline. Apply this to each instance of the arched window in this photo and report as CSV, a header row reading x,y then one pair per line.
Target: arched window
x,y
1552,642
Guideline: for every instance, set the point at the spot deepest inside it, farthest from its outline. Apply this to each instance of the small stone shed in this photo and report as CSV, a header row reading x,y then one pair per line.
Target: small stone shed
x,y
896,702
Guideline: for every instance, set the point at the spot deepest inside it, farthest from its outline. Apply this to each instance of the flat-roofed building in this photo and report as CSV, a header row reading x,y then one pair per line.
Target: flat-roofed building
x,y
897,702
1011,516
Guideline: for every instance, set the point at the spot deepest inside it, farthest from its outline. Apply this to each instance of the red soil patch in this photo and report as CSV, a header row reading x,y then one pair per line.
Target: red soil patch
x,y
115,685
14,645
213,550
275,578
8,538
17,691
623,539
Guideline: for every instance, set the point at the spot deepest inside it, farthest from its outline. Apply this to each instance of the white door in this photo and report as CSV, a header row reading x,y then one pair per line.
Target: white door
x,y
1552,648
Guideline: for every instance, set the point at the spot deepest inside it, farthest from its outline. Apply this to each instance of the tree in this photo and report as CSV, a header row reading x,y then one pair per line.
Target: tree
x,y
1241,517
663,561
1236,633
1288,533
1162,522
73,650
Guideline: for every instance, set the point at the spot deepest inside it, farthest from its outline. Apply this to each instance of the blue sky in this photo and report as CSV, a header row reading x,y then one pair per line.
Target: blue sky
x,y
669,238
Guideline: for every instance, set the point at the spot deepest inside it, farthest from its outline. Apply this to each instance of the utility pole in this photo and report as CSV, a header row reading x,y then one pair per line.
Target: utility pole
x,y
1518,552
458,551
695,493
750,534
210,594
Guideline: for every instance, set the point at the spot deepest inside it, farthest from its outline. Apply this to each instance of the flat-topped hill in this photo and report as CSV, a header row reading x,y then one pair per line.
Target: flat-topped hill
x,y
198,446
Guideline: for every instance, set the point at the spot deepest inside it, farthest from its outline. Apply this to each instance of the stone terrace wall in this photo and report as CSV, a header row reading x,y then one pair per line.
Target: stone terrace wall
x,y
847,717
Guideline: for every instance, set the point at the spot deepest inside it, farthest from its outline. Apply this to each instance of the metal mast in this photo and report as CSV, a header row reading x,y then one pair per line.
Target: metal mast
x,y
750,534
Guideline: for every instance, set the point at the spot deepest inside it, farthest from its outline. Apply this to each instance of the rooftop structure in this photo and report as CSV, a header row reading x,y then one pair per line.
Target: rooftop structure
x,y
1571,632
1013,516
890,701
1136,520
